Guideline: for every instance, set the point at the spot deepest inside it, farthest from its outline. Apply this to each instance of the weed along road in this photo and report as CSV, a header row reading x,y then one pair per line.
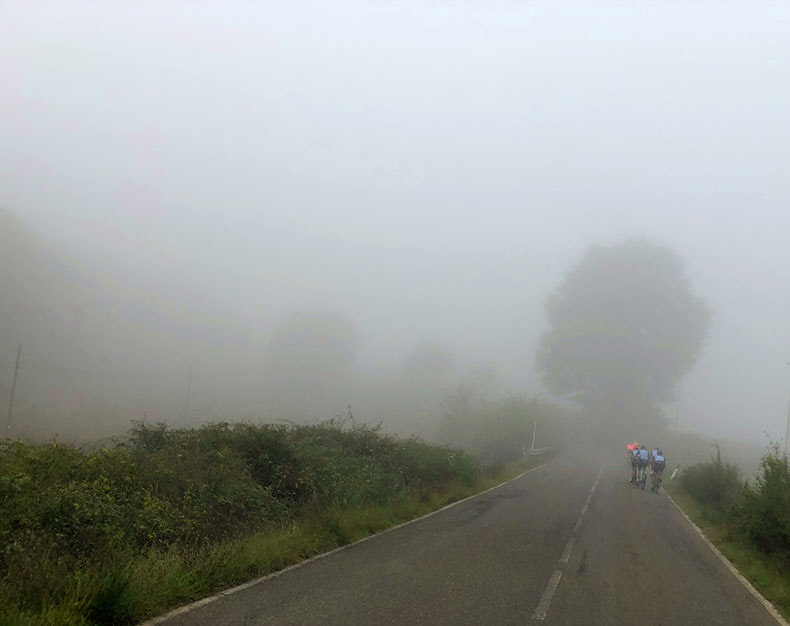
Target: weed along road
x,y
570,542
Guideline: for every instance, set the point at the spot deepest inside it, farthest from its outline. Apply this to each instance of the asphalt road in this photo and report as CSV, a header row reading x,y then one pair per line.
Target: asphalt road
x,y
569,543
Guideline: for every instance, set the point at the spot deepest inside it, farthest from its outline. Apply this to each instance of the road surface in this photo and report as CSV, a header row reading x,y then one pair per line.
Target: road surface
x,y
568,543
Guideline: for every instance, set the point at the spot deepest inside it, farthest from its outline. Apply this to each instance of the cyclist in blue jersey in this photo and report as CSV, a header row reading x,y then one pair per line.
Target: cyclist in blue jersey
x,y
642,461
634,462
658,463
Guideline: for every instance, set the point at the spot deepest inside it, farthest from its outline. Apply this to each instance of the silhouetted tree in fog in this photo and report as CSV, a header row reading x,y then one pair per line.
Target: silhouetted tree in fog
x,y
624,328
429,364
311,360
426,375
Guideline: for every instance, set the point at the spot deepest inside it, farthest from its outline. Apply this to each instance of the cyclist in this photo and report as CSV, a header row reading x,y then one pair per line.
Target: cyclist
x,y
634,461
642,462
658,464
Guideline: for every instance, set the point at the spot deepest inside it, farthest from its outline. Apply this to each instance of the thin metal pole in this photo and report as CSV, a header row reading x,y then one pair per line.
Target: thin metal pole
x,y
13,391
787,425
534,430
787,419
189,391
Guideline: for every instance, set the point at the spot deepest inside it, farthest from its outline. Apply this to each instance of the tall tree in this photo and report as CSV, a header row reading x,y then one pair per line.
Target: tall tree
x,y
624,328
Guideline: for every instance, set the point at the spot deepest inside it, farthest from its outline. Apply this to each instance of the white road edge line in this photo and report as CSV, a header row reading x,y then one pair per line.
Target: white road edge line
x,y
545,600
227,592
548,593
733,570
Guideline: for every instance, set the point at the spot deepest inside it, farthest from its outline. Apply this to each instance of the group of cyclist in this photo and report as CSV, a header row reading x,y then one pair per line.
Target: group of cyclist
x,y
641,459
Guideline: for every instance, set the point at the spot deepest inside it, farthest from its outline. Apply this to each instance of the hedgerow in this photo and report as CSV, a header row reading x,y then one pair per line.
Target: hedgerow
x,y
72,520
758,514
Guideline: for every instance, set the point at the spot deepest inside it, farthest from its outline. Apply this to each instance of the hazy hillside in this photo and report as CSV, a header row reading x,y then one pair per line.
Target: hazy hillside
x,y
103,344
98,347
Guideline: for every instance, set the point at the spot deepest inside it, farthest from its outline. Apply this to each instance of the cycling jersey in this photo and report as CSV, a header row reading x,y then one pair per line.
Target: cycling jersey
x,y
644,456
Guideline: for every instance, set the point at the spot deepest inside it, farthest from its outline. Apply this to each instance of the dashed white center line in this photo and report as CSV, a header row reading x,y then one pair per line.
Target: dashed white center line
x,y
587,502
551,587
545,600
566,553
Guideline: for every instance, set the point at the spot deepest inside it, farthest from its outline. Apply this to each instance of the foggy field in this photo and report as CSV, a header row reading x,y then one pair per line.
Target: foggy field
x,y
187,196
335,264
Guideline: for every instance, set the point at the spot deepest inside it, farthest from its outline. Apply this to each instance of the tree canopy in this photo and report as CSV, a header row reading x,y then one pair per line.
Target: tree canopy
x,y
624,327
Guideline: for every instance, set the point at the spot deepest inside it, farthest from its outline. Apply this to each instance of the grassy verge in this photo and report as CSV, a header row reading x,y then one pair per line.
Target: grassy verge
x,y
117,535
767,574
168,580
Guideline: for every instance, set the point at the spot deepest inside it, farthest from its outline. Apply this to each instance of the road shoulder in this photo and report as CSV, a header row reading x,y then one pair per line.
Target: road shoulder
x,y
731,567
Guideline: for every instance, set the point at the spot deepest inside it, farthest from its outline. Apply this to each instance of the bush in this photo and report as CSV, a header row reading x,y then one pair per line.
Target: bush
x,y
70,520
763,516
497,432
715,485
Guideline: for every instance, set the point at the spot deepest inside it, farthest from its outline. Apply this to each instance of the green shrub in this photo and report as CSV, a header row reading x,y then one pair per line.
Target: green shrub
x,y
715,485
72,520
497,431
764,513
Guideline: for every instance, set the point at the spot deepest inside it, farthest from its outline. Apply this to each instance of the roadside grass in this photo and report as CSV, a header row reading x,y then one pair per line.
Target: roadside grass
x,y
164,581
68,556
767,575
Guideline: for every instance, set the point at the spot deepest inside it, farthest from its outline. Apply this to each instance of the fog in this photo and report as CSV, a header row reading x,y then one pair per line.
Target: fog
x,y
313,205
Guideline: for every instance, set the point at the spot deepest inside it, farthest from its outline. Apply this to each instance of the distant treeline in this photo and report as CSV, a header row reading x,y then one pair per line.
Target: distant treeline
x,y
501,430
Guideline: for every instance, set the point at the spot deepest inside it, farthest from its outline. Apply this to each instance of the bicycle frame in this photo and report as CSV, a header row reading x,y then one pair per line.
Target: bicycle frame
x,y
657,476
641,476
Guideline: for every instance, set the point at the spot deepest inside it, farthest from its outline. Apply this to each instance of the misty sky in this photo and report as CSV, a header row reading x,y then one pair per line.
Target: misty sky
x,y
430,169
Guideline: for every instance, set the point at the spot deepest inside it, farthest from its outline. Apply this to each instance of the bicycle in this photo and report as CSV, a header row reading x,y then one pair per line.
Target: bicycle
x,y
657,476
641,476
